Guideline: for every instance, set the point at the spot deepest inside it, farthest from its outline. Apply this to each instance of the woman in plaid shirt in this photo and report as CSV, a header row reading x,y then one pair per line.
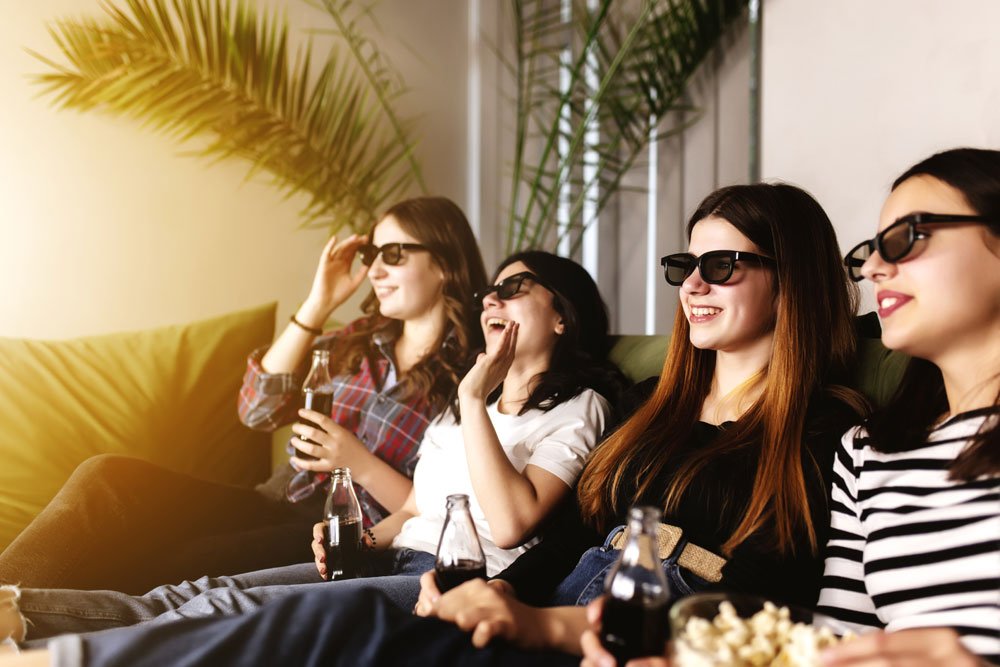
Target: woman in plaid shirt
x,y
132,525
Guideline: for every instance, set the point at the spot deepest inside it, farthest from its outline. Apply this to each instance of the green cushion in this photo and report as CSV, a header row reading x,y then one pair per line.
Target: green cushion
x,y
167,395
639,357
877,375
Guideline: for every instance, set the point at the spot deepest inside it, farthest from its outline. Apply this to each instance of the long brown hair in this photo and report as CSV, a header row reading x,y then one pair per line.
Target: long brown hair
x,y
439,224
903,424
813,342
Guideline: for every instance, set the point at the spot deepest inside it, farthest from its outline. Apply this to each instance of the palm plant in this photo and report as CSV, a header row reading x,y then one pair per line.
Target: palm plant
x,y
586,114
218,72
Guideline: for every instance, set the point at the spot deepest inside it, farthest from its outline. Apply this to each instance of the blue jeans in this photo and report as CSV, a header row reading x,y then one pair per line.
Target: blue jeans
x,y
308,629
586,581
57,611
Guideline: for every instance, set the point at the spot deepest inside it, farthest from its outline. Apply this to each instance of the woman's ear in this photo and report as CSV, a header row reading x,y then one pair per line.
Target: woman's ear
x,y
560,327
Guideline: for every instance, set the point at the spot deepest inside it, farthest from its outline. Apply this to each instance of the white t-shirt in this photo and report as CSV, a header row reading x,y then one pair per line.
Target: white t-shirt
x,y
558,441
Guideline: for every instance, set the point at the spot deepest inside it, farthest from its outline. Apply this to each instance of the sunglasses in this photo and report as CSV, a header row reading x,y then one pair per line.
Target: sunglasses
x,y
392,253
715,267
509,287
897,240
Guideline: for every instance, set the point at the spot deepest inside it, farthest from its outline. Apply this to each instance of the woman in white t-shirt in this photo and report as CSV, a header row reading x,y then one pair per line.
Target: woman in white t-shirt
x,y
523,423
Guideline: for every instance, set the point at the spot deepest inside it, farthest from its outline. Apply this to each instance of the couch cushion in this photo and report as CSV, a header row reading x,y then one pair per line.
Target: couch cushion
x,y
167,395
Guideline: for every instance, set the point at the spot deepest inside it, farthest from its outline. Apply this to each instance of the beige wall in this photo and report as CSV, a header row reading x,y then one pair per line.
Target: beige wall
x,y
104,226
856,91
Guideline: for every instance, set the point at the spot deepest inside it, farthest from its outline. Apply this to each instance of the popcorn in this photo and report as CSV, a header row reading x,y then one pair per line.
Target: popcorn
x,y
769,638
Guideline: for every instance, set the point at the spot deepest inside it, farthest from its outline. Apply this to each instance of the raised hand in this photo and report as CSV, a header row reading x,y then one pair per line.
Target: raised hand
x,y
333,282
491,367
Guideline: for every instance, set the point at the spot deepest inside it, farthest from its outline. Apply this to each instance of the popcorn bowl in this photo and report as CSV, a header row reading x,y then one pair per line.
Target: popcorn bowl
x,y
715,629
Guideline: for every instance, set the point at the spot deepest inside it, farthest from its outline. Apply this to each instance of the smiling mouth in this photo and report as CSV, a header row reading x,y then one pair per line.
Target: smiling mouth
x,y
496,324
704,311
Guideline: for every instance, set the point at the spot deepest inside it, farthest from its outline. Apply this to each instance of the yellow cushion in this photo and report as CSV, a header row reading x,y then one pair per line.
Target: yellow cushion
x,y
167,395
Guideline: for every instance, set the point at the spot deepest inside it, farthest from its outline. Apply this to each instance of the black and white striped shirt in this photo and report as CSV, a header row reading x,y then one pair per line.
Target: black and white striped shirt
x,y
910,548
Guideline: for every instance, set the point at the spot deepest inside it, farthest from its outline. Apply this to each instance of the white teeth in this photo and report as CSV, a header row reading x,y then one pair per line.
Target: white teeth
x,y
888,302
496,322
701,311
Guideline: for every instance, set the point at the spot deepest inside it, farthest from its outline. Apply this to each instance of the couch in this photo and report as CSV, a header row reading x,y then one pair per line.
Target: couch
x,y
168,395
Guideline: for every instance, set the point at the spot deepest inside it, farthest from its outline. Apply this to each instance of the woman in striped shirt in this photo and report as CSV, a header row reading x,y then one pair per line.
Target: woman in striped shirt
x,y
915,527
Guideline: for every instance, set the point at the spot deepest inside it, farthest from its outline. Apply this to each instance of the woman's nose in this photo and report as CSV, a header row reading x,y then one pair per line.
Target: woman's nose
x,y
694,284
877,269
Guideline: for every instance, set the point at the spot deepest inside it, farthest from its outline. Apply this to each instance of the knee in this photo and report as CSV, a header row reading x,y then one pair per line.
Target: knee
x,y
105,470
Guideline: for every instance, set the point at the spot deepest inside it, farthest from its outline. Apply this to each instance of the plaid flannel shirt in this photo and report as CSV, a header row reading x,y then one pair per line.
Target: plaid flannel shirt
x,y
365,403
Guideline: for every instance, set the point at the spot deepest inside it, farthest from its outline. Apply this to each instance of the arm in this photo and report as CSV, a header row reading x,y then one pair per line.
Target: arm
x,y
270,388
515,502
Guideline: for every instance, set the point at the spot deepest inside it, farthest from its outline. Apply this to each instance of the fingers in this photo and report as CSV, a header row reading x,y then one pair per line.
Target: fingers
x,y
429,595
594,654
485,631
594,611
344,250
319,554
312,465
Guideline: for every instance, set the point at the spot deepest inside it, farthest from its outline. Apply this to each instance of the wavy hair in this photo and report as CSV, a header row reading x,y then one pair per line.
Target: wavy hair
x,y
439,224
813,343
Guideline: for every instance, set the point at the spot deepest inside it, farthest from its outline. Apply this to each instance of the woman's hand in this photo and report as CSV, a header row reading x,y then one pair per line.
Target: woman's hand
x,y
912,648
333,282
319,553
490,368
430,593
332,445
594,653
488,612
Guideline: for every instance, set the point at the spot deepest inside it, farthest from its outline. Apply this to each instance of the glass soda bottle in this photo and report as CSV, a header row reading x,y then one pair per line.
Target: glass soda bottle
x,y
634,623
317,391
317,394
342,532
459,554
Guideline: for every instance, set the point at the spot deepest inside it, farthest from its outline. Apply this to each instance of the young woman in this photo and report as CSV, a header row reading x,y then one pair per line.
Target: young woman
x,y
916,498
124,524
734,444
527,415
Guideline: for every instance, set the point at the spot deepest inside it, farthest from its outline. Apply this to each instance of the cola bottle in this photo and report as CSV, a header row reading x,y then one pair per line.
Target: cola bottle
x,y
342,529
317,394
459,553
634,623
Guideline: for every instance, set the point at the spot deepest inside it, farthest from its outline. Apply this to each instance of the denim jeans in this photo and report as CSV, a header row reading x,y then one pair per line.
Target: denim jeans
x,y
58,611
586,581
307,629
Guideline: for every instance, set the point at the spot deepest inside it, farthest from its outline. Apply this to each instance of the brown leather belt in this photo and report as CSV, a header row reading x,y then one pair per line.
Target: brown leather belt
x,y
696,560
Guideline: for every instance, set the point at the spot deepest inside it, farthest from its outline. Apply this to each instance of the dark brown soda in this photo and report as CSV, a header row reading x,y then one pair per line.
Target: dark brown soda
x,y
317,402
631,630
343,554
458,573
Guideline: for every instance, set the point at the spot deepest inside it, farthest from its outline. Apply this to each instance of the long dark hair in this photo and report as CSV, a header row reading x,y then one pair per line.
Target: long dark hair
x,y
813,345
439,224
904,423
580,358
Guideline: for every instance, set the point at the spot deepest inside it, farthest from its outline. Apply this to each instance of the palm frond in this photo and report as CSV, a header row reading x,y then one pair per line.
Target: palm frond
x,y
628,71
219,72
